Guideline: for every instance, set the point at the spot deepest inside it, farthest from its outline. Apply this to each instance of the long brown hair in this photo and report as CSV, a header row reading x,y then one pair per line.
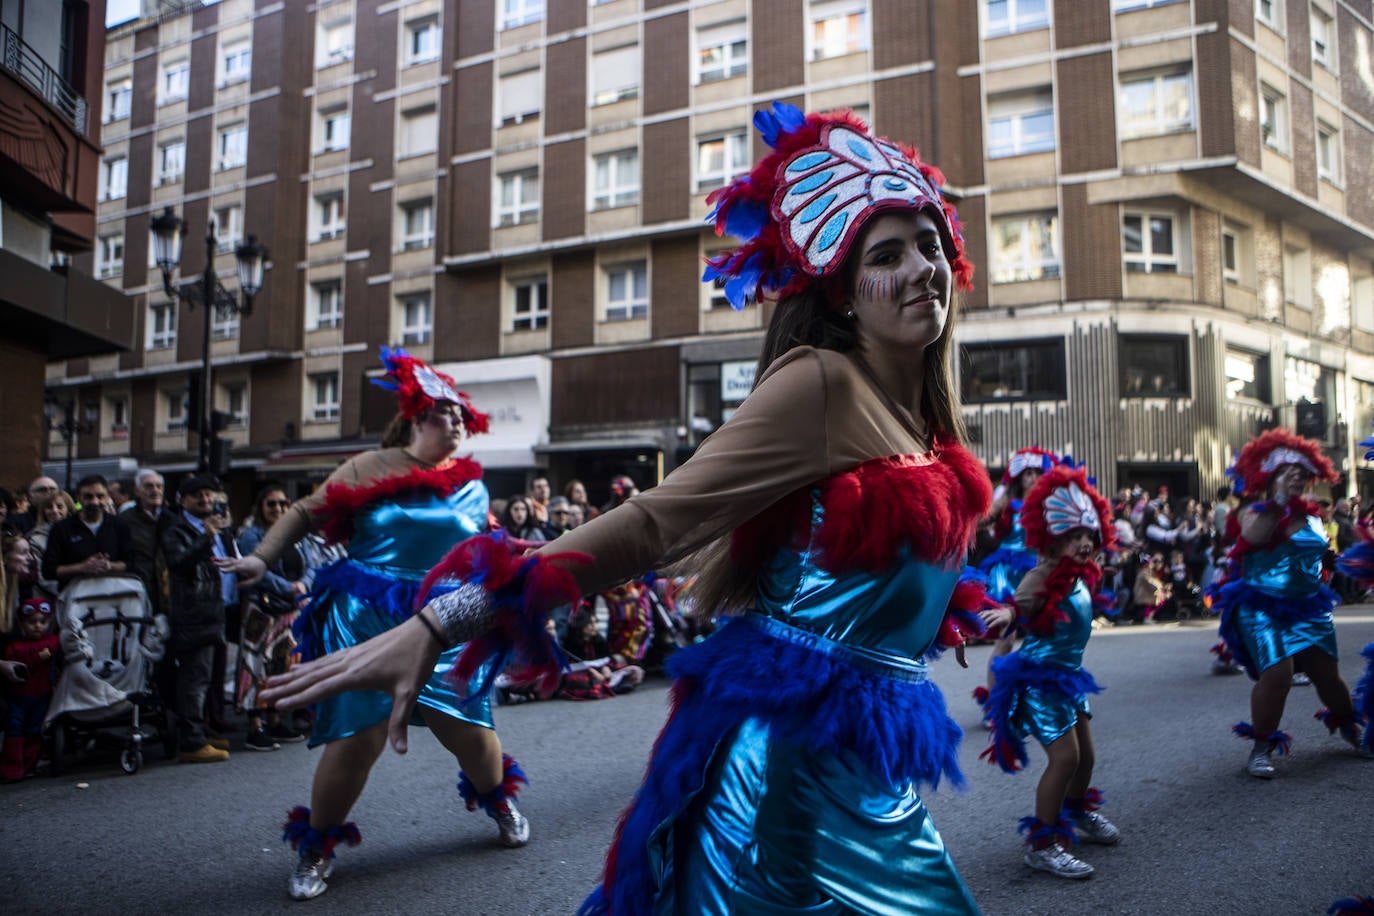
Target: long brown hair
x,y
812,319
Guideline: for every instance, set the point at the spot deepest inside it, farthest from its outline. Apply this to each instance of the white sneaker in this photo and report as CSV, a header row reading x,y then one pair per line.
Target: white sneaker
x,y
1057,862
1301,680
308,878
1094,828
1261,764
513,826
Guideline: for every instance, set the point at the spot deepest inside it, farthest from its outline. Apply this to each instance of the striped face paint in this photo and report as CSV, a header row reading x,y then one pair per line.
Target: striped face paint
x,y
878,287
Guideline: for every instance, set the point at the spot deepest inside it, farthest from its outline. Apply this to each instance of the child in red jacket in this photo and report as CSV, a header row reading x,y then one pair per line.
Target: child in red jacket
x,y
35,653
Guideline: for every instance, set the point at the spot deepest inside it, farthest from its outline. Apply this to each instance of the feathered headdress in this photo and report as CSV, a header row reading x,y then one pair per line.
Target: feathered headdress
x,y
1029,459
1263,455
419,387
1061,501
802,206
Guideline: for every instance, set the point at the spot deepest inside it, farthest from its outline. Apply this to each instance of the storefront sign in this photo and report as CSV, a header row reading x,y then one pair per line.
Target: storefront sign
x,y
736,380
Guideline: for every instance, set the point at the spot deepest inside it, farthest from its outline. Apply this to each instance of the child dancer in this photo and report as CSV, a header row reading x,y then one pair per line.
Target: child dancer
x,y
36,651
1041,690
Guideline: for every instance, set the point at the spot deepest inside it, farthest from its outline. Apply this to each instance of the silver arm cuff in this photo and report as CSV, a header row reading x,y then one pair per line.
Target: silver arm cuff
x,y
463,613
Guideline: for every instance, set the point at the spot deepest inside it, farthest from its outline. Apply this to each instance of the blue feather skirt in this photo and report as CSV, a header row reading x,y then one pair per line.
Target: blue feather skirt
x,y
353,602
786,782
1262,630
1033,699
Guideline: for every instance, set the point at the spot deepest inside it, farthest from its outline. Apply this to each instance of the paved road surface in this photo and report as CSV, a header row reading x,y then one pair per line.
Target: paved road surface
x,y
1201,837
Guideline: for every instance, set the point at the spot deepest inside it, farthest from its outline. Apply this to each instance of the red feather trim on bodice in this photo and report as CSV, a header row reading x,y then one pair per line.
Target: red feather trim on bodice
x,y
930,503
1058,587
342,502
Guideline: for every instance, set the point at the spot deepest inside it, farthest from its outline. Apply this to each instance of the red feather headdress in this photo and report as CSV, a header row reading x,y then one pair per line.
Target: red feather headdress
x,y
419,387
1061,501
1028,459
1263,455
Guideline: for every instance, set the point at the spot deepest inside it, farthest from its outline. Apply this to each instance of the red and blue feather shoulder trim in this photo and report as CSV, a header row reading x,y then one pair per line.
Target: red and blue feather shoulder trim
x,y
342,501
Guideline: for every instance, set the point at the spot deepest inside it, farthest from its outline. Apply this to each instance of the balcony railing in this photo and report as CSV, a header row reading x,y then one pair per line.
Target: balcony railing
x,y
26,63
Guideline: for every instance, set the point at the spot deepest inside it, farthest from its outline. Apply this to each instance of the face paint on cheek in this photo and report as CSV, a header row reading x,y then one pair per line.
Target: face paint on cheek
x,y
878,288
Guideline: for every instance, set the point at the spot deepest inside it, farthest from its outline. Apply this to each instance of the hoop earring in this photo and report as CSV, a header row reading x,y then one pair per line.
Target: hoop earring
x,y
850,315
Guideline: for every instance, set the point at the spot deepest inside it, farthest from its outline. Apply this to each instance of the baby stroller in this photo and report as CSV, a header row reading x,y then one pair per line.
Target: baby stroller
x,y
110,642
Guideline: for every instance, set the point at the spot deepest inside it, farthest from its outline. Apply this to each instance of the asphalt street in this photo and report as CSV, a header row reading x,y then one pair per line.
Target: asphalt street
x,y
1200,836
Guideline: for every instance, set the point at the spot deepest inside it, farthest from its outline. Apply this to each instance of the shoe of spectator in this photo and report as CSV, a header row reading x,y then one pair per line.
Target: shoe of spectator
x,y
204,754
285,734
1301,680
218,742
260,741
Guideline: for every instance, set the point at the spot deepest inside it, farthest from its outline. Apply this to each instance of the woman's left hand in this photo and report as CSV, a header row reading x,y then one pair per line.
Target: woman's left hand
x,y
398,662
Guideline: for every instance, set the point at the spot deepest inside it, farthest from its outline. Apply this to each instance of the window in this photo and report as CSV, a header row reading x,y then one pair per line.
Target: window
x,y
1148,243
176,82
615,179
175,405
417,322
119,96
1297,276
517,199
419,131
162,326
417,219
722,51
1270,13
1020,370
235,402
718,298
1025,248
1154,366
326,306
838,27
522,97
1362,294
627,291
110,255
615,75
1273,118
1304,380
1247,375
335,125
233,147
335,45
115,178
520,12
1328,153
324,391
1156,103
171,162
530,307
720,159
1004,17
329,216
1321,38
224,324
1020,123
1230,255
236,64
422,40
118,409
229,226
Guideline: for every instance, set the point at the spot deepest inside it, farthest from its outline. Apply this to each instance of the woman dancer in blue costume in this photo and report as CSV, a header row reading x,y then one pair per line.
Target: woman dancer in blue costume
x,y
786,777
400,508
1274,605
1042,689
1005,566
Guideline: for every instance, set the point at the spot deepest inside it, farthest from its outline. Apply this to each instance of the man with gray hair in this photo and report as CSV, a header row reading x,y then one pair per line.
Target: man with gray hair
x,y
148,521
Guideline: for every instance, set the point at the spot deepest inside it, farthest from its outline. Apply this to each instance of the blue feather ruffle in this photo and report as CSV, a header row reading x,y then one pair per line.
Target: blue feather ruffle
x,y
809,697
1283,611
1012,675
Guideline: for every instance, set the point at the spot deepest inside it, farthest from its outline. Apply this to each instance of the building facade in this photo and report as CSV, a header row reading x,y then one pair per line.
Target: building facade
x,y
51,75
1171,206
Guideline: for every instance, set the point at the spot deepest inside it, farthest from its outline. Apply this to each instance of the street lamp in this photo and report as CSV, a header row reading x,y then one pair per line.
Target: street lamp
x,y
69,424
208,293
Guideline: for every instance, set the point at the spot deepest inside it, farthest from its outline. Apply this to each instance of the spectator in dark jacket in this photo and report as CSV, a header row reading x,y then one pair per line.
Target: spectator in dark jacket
x,y
148,521
92,543
198,594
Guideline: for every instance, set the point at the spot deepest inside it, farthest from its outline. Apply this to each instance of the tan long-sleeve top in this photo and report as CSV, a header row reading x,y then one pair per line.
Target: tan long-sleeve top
x,y
813,414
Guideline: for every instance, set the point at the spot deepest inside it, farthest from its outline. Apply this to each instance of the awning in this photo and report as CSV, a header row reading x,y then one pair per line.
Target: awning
x,y
602,445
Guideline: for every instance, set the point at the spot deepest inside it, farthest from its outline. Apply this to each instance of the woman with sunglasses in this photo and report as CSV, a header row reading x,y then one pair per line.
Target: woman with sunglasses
x,y
32,657
265,635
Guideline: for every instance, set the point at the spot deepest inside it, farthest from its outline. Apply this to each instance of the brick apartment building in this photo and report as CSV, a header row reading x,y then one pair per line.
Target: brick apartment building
x,y
1170,204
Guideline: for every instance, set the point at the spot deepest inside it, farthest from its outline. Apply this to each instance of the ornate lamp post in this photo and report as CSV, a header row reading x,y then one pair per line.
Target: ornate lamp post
x,y
208,294
62,416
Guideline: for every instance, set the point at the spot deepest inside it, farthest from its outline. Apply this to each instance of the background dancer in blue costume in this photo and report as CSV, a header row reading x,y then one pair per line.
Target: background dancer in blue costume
x,y
786,778
400,508
1274,606
1042,689
1012,559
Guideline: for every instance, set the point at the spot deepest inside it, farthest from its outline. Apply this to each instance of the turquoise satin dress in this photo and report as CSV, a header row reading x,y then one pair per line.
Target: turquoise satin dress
x,y
781,827
1042,712
395,542
1280,606
1008,564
